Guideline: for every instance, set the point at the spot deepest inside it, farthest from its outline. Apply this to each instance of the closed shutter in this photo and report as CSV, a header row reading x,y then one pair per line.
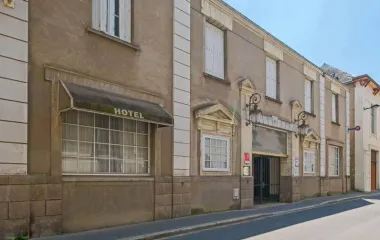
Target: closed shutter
x,y
209,49
307,96
333,106
103,14
218,53
271,78
96,14
125,20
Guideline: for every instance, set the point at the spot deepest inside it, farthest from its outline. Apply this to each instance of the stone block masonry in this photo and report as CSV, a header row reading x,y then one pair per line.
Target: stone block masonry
x,y
30,204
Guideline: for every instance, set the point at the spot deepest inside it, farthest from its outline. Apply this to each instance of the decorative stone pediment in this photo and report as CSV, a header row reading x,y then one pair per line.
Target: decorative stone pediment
x,y
217,119
246,86
311,140
295,104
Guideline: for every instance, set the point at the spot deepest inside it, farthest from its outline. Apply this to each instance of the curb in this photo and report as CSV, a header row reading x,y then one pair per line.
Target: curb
x,y
184,230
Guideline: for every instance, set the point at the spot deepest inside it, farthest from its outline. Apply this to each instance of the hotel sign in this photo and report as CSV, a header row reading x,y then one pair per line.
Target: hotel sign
x,y
128,113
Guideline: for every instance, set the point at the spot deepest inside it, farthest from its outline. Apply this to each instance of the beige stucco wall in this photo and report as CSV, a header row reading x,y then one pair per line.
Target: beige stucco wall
x,y
67,45
62,49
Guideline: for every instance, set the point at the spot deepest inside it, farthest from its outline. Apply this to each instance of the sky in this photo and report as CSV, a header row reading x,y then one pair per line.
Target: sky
x,y
341,33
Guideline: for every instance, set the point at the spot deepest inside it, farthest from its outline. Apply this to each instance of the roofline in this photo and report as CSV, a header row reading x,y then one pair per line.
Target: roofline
x,y
291,50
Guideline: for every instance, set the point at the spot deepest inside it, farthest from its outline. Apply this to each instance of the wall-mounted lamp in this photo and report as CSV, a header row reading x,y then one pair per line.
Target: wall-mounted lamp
x,y
301,123
372,106
253,109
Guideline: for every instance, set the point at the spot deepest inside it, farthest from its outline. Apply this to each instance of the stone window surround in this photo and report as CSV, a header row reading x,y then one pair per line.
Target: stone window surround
x,y
53,75
216,126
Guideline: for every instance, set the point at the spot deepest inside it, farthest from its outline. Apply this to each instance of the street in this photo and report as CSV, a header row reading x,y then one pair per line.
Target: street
x,y
357,219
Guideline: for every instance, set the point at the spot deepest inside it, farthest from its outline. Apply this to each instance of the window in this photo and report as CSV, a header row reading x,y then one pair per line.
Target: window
x,y
308,96
113,17
373,120
271,78
309,161
334,113
216,153
334,160
214,51
99,144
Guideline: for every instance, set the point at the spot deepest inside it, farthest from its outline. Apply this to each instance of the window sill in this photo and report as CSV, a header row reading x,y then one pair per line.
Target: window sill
x,y
215,170
335,123
273,100
310,114
221,80
335,177
118,40
106,178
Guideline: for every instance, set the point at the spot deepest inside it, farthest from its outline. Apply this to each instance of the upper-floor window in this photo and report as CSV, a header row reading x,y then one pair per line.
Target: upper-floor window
x,y
308,96
112,17
334,107
373,120
214,51
271,78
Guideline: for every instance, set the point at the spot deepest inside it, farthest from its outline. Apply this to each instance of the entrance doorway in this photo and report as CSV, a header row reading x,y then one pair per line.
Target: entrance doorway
x,y
266,174
373,170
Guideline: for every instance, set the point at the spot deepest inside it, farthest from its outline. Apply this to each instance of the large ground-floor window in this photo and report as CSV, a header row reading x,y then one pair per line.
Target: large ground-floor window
x,y
101,144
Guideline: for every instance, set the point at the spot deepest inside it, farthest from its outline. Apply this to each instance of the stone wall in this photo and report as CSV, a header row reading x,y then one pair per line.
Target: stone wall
x,y
310,187
181,196
214,193
246,195
30,204
163,198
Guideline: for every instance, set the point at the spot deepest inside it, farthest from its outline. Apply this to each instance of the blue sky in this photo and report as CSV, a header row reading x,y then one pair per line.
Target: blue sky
x,y
342,33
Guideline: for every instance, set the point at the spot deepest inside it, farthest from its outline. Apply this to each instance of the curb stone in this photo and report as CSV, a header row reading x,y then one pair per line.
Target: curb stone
x,y
189,229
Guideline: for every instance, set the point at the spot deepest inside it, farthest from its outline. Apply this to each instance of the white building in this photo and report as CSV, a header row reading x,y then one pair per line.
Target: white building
x,y
365,156
13,86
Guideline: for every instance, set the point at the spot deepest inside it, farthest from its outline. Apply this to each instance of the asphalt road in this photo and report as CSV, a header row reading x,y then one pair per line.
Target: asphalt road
x,y
352,220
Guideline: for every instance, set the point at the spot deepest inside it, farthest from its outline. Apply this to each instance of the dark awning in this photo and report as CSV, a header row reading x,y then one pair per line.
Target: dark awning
x,y
84,98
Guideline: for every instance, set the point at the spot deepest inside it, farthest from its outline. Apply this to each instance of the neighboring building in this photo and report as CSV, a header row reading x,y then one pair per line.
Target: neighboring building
x,y
232,58
365,144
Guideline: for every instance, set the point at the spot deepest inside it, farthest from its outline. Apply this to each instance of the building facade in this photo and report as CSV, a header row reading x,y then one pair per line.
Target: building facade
x,y
365,144
272,155
150,110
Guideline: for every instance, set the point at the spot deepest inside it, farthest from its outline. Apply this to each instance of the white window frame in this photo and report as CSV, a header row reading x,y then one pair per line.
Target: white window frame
x,y
334,161
373,130
203,142
105,22
334,107
93,158
271,80
214,51
308,96
309,161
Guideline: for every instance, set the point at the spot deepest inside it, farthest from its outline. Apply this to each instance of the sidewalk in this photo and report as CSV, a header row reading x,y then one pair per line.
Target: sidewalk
x,y
151,230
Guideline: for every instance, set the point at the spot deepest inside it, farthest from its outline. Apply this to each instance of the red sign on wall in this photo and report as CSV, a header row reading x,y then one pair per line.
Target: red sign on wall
x,y
247,157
